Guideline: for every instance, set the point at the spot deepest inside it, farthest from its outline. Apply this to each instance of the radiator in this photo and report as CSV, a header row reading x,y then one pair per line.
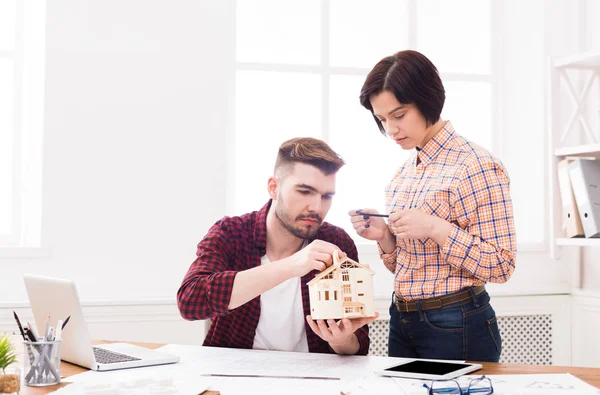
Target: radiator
x,y
526,339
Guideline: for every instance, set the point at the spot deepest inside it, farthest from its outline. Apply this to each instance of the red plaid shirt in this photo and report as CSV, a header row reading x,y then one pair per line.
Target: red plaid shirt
x,y
234,244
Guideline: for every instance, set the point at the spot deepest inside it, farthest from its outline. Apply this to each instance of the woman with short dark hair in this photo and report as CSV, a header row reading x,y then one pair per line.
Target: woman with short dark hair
x,y
450,227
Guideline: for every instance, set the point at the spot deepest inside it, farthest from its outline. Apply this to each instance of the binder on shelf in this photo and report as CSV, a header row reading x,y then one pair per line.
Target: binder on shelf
x,y
571,221
585,181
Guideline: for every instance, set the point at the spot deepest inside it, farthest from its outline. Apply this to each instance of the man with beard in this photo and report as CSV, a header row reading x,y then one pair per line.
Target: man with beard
x,y
251,271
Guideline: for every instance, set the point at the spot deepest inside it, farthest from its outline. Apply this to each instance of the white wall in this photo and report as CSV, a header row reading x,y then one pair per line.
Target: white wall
x,y
138,100
134,166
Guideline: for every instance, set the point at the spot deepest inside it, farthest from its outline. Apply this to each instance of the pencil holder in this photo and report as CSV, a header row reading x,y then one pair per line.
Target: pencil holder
x,y
42,363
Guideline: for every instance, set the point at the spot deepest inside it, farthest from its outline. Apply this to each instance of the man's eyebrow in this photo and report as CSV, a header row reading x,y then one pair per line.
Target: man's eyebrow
x,y
305,186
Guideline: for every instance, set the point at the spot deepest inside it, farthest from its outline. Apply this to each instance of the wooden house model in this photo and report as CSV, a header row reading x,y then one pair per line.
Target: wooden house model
x,y
343,290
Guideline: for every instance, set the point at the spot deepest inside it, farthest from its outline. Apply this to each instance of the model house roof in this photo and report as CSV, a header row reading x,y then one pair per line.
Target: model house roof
x,y
344,263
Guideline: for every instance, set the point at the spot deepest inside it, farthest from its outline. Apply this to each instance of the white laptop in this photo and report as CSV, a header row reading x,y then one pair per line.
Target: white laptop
x,y
58,299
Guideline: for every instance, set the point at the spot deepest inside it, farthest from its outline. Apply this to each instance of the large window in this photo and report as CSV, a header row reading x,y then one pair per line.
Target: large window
x,y
300,67
21,121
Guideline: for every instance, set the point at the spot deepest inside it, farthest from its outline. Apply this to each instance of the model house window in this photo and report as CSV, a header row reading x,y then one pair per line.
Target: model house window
x,y
345,275
326,295
335,295
361,294
22,48
359,281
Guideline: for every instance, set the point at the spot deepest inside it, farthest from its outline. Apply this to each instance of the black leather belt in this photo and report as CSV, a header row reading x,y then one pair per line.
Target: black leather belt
x,y
439,301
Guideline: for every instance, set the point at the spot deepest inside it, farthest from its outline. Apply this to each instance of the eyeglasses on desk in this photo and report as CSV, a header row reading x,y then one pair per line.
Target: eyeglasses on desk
x,y
480,386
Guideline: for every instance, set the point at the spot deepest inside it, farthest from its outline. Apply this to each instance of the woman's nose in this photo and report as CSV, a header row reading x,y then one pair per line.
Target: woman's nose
x,y
390,129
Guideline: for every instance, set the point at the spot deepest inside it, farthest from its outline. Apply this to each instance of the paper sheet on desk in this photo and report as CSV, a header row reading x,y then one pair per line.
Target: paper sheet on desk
x,y
196,360
355,372
139,381
541,384
520,384
169,379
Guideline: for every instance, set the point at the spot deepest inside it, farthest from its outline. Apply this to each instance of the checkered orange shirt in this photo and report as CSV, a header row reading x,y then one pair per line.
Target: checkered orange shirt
x,y
467,186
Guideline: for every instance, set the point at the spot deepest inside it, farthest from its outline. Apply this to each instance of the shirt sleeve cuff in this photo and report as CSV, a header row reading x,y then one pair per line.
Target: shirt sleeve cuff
x,y
363,340
389,259
457,246
219,290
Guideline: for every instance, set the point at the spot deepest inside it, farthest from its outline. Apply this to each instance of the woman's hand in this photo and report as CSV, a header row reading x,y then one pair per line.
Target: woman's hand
x,y
416,224
371,228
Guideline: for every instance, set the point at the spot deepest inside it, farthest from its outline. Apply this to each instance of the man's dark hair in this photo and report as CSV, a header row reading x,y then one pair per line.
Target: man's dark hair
x,y
311,151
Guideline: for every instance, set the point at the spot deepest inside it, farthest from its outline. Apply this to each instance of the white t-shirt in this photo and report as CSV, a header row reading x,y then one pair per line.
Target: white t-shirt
x,y
281,323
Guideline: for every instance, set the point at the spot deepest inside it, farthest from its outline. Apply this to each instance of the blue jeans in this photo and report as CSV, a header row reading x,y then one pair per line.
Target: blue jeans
x,y
466,332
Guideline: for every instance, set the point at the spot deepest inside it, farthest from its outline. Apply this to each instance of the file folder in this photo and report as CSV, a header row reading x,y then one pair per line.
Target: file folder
x,y
585,180
570,220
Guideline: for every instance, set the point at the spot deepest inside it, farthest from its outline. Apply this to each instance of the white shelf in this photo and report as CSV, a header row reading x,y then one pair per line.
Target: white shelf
x,y
587,151
580,241
584,60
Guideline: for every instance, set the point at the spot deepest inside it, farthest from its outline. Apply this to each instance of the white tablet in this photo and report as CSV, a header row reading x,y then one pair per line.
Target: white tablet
x,y
433,370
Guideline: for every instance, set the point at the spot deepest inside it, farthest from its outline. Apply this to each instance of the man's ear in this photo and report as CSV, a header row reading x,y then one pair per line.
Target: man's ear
x,y
272,186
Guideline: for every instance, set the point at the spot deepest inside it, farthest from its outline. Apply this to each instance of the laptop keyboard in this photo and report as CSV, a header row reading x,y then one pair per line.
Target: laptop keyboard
x,y
106,356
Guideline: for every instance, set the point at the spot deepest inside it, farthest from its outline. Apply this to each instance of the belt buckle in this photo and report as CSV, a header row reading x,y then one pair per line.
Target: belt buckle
x,y
399,304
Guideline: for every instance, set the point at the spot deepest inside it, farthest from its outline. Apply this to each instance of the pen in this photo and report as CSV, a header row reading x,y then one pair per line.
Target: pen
x,y
269,376
360,212
33,332
65,323
19,325
28,347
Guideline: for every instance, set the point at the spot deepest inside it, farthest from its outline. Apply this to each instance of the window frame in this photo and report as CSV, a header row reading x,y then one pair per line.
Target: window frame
x,y
28,55
326,71
16,55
